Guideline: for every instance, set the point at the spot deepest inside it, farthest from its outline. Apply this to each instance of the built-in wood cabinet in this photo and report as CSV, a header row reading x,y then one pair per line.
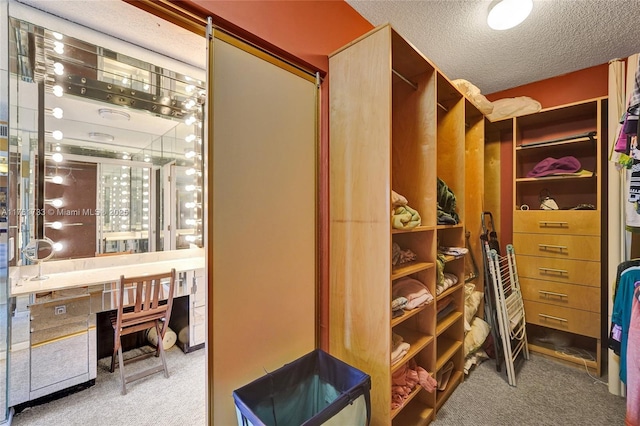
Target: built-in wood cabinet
x,y
561,254
396,123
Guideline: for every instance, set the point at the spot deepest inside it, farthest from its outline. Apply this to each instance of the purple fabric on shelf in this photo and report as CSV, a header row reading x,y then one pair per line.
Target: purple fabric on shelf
x,y
551,166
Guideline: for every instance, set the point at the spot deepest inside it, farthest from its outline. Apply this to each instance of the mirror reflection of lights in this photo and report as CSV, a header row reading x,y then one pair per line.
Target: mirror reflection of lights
x,y
57,112
58,68
145,177
145,193
190,154
57,179
123,184
190,88
145,185
58,47
57,135
57,157
190,120
145,226
125,156
190,138
190,172
124,176
145,209
58,246
190,221
190,238
57,148
189,104
57,203
190,188
56,35
57,90
147,159
56,225
145,201
190,205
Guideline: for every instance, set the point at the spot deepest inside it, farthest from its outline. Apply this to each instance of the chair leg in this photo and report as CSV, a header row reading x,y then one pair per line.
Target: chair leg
x,y
160,349
123,390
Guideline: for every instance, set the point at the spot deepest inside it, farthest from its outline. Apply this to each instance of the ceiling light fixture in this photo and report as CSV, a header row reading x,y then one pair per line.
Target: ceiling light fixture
x,y
505,14
101,137
114,115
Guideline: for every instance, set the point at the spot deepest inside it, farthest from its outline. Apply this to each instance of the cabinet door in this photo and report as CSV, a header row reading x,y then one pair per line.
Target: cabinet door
x,y
59,360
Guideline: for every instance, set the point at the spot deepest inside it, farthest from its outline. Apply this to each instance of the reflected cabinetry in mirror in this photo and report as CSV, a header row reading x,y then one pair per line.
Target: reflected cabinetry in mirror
x,y
105,149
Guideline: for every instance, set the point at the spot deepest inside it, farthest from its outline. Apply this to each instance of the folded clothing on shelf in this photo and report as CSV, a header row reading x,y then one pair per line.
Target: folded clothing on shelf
x,y
413,290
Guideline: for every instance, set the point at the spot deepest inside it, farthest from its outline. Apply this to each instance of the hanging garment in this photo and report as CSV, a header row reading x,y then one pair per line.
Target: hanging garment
x,y
621,315
633,365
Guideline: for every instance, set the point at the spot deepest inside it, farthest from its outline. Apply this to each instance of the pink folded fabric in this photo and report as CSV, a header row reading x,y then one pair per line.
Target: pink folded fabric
x,y
413,290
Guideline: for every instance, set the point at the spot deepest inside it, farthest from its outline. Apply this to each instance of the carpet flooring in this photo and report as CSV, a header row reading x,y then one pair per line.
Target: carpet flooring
x,y
152,401
547,394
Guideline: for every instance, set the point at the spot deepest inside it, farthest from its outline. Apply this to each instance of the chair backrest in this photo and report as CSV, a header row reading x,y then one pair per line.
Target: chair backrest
x,y
143,297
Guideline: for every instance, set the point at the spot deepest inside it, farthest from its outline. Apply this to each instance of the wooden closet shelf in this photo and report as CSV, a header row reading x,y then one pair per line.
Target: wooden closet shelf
x,y
418,342
454,381
414,392
447,322
555,178
421,228
446,349
409,268
414,413
534,145
408,314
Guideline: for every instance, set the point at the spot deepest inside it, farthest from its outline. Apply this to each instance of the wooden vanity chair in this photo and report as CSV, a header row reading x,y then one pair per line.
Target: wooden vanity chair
x,y
141,310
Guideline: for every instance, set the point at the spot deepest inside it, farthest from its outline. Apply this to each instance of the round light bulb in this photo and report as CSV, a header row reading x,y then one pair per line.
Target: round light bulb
x,y
57,179
507,14
58,68
57,112
57,203
57,157
56,225
58,246
57,90
57,135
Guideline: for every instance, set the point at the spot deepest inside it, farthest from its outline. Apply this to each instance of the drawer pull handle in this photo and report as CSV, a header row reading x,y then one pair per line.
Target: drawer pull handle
x,y
552,317
546,223
555,271
551,246
551,293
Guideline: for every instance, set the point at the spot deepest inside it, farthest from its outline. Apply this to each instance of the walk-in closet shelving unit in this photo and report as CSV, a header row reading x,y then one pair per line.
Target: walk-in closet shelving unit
x,y
392,116
561,253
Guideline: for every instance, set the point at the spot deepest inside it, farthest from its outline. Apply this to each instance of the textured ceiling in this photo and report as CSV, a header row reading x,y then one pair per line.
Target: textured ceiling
x,y
560,36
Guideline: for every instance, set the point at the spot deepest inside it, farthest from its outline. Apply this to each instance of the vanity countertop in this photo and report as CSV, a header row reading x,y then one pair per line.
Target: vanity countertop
x,y
65,274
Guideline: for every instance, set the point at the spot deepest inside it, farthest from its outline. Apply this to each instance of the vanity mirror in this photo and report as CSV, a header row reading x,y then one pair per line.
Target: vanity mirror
x,y
37,251
105,150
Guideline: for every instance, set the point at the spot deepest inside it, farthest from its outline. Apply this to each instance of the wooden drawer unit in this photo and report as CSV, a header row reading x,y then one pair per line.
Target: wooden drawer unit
x,y
580,247
573,222
559,294
567,319
559,270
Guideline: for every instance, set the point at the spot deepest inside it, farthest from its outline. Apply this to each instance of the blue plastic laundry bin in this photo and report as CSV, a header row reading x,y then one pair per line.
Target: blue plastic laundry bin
x,y
316,389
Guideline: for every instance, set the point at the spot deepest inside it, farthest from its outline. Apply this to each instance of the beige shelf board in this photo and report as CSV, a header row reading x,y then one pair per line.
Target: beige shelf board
x,y
413,412
408,314
447,322
409,268
414,392
446,349
534,145
556,178
451,258
421,228
449,291
552,352
454,381
418,342
457,225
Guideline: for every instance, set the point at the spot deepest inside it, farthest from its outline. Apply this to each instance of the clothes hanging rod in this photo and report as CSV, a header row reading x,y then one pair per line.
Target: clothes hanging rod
x,y
442,107
406,80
